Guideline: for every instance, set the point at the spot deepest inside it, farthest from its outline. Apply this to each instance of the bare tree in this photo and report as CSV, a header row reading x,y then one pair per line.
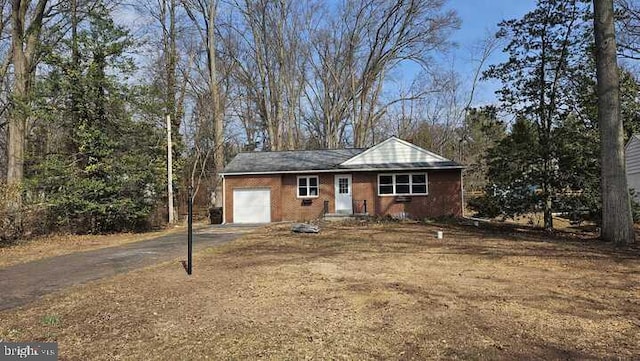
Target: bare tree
x,y
5,62
272,66
486,48
203,13
168,22
164,62
328,94
355,55
26,27
628,23
210,87
617,223
391,32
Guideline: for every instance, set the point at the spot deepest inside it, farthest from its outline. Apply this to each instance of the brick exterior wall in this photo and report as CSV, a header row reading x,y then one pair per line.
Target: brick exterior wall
x,y
292,208
444,198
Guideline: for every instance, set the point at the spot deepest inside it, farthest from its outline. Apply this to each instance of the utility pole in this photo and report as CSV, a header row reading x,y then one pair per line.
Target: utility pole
x,y
169,170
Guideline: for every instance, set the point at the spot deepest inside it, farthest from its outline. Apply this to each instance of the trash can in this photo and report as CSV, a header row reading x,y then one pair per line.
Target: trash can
x,y
215,215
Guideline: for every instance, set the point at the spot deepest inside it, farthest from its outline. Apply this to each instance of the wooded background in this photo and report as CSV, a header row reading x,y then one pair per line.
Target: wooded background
x,y
86,86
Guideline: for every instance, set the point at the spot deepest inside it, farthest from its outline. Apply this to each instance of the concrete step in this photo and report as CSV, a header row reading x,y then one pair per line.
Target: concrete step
x,y
344,217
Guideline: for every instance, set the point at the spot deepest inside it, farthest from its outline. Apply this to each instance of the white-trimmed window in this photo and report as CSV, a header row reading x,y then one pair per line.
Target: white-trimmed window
x,y
402,184
308,186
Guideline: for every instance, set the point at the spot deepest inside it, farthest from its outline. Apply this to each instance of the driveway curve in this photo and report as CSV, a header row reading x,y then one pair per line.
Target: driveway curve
x,y
25,282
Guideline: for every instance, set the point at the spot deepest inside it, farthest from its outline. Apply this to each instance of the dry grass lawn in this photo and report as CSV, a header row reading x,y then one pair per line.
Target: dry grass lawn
x,y
357,292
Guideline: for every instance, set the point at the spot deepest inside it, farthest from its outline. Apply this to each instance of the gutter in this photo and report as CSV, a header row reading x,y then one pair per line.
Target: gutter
x,y
344,170
224,203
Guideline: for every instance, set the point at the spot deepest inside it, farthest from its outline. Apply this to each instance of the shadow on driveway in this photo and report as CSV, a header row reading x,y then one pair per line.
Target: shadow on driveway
x,y
23,283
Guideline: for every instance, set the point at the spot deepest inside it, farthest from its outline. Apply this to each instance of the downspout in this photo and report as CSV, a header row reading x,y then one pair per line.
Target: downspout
x,y
224,203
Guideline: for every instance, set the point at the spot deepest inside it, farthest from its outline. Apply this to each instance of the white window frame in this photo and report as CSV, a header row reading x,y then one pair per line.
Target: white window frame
x,y
394,184
307,177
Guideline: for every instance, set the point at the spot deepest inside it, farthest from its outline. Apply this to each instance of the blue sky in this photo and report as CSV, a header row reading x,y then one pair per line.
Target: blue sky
x,y
479,18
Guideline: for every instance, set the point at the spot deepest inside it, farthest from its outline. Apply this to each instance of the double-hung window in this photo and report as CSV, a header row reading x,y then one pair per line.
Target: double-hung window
x,y
308,186
402,184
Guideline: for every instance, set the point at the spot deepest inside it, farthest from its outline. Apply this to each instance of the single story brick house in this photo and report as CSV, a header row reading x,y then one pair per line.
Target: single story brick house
x,y
394,178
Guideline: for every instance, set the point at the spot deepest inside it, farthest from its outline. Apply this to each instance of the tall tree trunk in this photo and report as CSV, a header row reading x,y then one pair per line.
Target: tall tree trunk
x,y
548,215
172,60
24,41
617,223
168,23
216,106
76,93
17,122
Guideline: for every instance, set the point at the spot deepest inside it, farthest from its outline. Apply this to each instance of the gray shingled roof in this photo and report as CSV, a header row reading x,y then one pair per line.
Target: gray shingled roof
x,y
296,160
314,160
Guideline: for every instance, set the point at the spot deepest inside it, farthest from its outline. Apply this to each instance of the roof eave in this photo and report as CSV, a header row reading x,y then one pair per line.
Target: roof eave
x,y
635,137
343,170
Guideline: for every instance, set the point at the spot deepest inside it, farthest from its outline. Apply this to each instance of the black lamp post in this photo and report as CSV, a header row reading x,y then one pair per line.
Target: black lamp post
x,y
190,231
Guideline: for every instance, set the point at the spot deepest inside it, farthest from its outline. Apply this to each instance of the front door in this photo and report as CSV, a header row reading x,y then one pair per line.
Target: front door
x,y
344,198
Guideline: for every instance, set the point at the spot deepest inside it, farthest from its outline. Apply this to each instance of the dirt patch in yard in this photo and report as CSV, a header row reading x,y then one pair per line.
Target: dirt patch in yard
x,y
357,292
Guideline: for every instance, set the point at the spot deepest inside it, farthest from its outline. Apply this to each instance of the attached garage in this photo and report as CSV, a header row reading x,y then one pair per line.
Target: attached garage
x,y
252,205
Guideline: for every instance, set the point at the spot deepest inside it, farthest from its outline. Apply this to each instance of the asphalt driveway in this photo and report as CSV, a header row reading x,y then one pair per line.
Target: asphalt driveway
x,y
23,283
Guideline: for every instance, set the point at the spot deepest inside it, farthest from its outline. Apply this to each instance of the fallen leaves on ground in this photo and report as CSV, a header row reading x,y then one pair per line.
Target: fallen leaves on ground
x,y
369,291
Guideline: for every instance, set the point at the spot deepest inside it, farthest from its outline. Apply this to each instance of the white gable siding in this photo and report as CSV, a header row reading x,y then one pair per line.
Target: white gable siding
x,y
632,160
394,150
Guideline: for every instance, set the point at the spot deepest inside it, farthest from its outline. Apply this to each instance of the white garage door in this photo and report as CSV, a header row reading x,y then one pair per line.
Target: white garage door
x,y
252,205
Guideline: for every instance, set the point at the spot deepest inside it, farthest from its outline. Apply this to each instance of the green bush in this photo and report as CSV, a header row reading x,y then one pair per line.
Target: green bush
x,y
85,201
